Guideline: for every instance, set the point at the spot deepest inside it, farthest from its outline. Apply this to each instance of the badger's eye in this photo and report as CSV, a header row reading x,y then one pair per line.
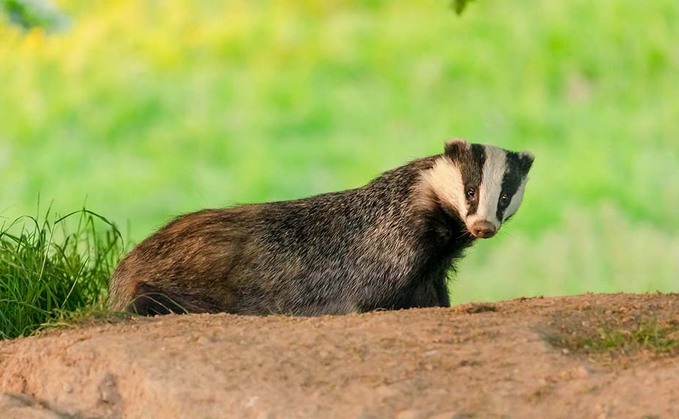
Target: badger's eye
x,y
471,193
504,200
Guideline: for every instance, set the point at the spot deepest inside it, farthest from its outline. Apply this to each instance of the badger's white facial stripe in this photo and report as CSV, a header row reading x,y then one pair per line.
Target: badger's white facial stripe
x,y
490,188
516,201
445,181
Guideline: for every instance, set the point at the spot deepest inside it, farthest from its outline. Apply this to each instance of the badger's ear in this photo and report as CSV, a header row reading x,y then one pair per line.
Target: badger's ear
x,y
456,147
526,160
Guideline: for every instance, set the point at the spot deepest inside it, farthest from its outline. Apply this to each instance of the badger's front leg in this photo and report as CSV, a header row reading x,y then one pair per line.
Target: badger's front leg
x,y
431,293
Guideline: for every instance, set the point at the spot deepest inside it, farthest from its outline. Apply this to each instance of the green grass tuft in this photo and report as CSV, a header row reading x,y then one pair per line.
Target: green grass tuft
x,y
53,265
97,313
648,334
598,332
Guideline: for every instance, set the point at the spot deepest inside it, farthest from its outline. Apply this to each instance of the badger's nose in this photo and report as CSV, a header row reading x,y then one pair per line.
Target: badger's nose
x,y
483,229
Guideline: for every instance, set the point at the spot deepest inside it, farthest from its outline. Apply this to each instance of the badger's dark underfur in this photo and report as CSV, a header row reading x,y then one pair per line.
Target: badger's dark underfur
x,y
387,245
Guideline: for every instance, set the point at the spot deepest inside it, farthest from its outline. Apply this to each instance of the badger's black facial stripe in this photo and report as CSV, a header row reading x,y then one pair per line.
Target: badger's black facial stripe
x,y
511,180
471,169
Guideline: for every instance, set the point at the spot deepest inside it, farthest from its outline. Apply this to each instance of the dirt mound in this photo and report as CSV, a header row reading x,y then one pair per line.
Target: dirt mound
x,y
585,356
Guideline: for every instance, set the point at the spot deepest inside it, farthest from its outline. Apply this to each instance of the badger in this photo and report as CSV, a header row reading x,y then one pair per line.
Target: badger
x,y
390,244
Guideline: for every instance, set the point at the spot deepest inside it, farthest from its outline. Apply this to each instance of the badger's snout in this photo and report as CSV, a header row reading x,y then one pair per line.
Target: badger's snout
x,y
483,230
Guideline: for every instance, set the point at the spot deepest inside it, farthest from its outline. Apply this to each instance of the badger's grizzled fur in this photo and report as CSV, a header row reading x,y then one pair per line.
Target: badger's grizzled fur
x,y
387,245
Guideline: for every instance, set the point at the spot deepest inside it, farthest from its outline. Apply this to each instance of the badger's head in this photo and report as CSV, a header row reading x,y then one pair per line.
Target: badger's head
x,y
482,184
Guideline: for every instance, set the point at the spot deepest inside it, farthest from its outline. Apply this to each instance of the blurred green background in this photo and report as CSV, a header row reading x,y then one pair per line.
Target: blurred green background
x,y
147,109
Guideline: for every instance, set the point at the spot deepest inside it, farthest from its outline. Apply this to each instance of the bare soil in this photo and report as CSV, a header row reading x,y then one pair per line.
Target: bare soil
x,y
590,356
